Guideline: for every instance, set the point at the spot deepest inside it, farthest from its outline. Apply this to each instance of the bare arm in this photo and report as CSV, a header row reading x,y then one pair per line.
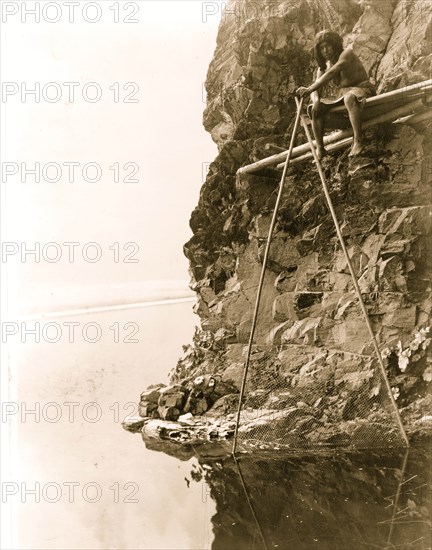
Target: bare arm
x,y
315,97
341,63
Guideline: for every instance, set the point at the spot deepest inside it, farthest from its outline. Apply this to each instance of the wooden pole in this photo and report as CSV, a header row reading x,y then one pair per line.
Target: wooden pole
x,y
263,270
394,95
331,149
354,279
385,117
274,148
415,119
335,136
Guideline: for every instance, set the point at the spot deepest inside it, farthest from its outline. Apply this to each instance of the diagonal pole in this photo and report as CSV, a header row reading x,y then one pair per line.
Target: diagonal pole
x,y
353,275
396,501
263,269
250,504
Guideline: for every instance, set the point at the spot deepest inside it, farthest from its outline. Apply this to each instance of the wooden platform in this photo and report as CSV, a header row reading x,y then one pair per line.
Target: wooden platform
x,y
410,104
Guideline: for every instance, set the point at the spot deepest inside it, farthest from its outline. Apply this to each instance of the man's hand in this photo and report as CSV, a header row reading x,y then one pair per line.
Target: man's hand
x,y
302,91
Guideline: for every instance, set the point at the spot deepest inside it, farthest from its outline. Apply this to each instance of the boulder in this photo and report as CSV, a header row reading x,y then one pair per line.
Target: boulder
x,y
147,408
133,423
226,404
196,403
220,389
284,308
168,413
173,396
233,375
152,393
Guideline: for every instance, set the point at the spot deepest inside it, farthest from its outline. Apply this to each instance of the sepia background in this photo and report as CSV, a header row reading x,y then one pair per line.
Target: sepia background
x,y
165,55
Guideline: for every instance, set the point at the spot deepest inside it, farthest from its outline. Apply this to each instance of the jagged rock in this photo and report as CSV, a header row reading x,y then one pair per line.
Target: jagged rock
x,y
406,59
172,397
152,393
196,404
233,374
206,390
148,408
402,318
243,331
350,333
371,33
308,306
294,357
286,281
168,413
211,387
275,335
283,253
204,384
340,281
304,331
221,389
133,423
235,352
226,404
284,308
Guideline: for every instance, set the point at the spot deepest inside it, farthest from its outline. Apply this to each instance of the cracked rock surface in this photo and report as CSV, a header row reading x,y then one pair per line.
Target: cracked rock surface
x,y
309,313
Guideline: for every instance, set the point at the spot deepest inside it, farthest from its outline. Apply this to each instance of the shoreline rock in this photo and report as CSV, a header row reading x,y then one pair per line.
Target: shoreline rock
x,y
312,346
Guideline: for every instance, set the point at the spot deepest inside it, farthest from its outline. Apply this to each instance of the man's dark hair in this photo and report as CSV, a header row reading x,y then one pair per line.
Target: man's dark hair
x,y
327,36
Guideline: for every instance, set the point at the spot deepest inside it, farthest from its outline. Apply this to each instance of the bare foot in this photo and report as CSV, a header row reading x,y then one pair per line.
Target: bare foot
x,y
321,152
356,149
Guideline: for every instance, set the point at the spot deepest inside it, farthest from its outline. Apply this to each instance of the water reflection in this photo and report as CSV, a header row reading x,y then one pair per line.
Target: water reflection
x,y
339,501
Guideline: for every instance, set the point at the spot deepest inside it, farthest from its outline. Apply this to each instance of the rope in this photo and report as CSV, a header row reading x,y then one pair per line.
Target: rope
x,y
353,275
263,269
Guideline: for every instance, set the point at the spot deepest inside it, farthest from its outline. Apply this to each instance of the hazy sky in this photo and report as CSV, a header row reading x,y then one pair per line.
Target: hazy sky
x,y
166,54
164,57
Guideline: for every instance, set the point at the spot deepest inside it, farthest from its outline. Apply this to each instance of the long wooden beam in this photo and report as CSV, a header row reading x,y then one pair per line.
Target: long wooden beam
x,y
346,139
416,118
275,148
342,144
394,95
421,87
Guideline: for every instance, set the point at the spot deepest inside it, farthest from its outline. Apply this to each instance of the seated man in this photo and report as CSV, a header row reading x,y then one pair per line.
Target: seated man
x,y
345,71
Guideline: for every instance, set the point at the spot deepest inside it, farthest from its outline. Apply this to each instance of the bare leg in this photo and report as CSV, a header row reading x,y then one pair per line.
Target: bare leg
x,y
318,130
355,116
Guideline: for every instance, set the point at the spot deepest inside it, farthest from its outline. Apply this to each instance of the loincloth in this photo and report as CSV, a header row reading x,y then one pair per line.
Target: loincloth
x,y
335,94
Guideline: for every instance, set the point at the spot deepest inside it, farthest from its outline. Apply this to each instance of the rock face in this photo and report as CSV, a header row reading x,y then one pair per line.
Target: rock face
x,y
308,308
313,378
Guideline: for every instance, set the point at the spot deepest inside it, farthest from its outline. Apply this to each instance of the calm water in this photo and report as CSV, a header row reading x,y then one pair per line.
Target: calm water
x,y
157,509
335,501
145,499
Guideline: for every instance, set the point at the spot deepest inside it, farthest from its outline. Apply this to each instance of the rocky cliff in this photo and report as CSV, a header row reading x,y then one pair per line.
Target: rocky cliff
x,y
314,377
309,314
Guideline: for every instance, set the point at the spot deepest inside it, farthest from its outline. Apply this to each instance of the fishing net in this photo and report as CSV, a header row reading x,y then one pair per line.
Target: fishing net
x,y
306,393
301,397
